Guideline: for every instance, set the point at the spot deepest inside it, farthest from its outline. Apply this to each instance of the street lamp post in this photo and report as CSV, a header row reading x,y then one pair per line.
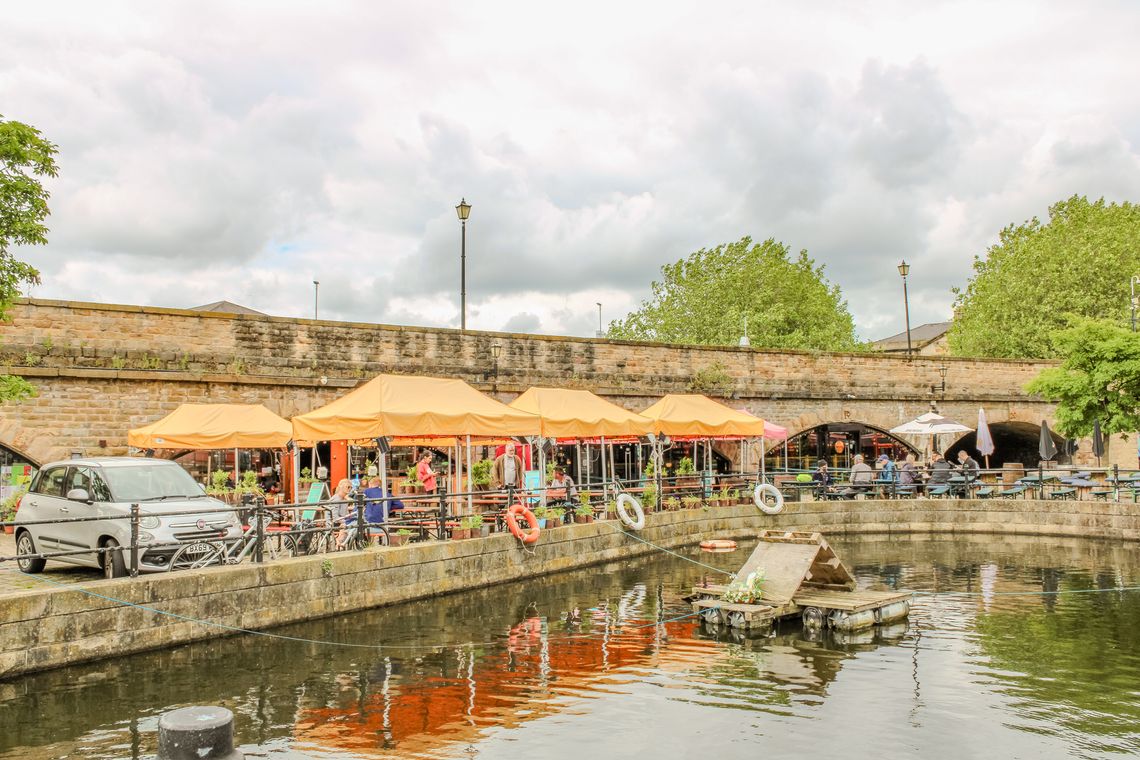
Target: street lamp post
x,y
316,296
496,350
1135,299
464,211
904,270
601,333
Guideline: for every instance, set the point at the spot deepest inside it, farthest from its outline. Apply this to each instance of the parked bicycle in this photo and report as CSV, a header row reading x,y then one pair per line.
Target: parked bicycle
x,y
207,553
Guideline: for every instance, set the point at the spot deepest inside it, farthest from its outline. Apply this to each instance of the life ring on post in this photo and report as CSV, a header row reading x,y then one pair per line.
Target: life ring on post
x,y
514,512
625,501
718,545
768,490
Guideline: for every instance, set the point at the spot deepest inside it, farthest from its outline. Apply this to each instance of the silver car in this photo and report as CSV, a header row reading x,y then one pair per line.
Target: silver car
x,y
71,492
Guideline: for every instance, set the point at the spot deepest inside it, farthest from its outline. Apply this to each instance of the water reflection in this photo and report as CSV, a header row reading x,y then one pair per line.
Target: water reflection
x,y
599,656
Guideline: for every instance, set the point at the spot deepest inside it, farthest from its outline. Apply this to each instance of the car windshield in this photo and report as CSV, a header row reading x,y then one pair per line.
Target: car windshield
x,y
150,482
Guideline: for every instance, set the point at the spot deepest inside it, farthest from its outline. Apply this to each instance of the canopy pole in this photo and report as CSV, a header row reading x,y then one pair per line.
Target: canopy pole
x,y
603,461
237,470
763,473
542,475
470,485
578,451
382,462
296,473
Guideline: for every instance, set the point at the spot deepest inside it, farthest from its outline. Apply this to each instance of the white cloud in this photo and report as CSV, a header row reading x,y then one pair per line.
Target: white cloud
x,y
214,150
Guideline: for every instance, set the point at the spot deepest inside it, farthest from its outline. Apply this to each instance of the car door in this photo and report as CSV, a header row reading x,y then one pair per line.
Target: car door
x,y
85,535
45,501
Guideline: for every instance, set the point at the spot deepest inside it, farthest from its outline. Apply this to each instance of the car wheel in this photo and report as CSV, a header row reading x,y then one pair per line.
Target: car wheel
x,y
114,566
25,546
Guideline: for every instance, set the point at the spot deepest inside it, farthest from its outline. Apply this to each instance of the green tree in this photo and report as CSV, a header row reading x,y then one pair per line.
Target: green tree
x,y
706,297
1098,379
1079,262
25,157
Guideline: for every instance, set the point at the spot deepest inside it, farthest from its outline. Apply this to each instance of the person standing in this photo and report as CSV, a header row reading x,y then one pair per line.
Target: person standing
x,y
507,471
425,474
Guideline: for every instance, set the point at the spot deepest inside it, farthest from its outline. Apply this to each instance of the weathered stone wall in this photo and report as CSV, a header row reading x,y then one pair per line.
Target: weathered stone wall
x,y
62,625
101,369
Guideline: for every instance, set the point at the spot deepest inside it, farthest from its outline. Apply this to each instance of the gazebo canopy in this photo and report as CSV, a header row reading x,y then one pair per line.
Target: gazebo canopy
x,y
214,426
413,407
570,413
681,415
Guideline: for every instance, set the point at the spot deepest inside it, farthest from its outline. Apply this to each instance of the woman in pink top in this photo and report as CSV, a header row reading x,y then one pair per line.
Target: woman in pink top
x,y
425,473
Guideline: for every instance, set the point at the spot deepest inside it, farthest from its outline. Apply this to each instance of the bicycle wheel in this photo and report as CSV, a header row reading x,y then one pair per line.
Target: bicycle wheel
x,y
320,543
201,554
281,545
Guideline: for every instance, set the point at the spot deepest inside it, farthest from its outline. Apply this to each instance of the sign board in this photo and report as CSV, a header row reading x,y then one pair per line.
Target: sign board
x,y
532,482
318,492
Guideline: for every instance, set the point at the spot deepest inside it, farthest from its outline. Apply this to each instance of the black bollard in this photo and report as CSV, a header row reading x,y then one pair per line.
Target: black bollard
x,y
197,733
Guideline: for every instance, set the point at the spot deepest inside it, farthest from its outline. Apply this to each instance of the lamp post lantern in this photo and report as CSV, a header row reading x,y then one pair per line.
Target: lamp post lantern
x,y
496,351
904,270
464,211
316,296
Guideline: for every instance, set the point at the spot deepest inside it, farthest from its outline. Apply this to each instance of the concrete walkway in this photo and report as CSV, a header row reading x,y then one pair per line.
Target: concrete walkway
x,y
12,580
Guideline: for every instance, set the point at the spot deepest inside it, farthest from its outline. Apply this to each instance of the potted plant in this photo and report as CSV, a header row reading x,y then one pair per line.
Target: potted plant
x,y
748,590
671,503
459,532
686,473
8,508
725,499
611,509
412,484
690,502
583,513
219,486
540,513
400,537
555,516
306,478
473,524
649,498
481,474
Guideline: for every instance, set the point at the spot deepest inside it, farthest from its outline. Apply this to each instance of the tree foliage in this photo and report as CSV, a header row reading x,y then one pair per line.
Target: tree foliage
x,y
1079,262
25,156
1098,379
706,297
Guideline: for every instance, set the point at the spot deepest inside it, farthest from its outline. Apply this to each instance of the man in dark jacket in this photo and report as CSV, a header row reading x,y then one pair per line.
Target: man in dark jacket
x,y
939,470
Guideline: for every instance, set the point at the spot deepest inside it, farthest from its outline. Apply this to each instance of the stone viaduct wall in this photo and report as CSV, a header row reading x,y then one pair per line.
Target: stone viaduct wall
x,y
102,369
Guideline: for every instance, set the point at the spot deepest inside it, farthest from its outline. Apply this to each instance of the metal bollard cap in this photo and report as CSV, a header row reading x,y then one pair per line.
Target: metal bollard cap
x,y
197,733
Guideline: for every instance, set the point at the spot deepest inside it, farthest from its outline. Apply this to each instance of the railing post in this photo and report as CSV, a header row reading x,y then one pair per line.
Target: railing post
x,y
361,527
134,542
259,530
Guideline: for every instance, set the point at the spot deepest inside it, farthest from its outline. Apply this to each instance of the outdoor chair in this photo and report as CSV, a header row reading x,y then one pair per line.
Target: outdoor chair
x,y
939,490
1063,493
985,493
1013,491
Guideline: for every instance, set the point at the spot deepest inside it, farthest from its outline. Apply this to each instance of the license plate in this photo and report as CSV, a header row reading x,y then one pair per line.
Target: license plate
x,y
198,550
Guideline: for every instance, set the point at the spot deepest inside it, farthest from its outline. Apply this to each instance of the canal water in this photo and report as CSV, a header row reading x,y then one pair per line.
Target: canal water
x,y
1017,648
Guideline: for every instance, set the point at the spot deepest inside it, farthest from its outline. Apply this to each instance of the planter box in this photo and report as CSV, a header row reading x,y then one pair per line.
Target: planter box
x,y
397,540
458,534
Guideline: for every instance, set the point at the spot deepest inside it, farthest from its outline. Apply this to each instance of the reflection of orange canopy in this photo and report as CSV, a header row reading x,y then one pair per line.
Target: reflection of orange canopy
x,y
580,414
214,426
680,415
409,406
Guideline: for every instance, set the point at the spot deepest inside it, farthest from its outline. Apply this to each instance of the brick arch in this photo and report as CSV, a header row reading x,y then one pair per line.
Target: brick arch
x,y
823,421
21,454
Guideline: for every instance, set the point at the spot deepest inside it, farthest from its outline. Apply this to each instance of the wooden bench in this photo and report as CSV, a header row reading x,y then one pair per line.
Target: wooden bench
x,y
1013,492
1063,493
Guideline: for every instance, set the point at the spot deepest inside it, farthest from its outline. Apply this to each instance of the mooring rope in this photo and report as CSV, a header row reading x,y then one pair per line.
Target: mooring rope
x,y
675,554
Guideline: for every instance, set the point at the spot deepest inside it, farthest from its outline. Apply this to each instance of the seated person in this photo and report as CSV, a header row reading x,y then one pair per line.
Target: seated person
x,y
822,478
888,472
374,505
861,474
561,486
939,470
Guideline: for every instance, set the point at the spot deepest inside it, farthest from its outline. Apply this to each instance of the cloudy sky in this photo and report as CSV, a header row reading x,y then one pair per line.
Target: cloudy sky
x,y
221,150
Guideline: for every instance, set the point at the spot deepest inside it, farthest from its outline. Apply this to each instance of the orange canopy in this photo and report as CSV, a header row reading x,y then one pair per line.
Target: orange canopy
x,y
679,415
414,407
214,426
569,413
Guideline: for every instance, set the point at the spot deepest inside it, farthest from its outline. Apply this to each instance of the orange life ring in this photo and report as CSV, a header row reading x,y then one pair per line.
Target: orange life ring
x,y
718,544
516,510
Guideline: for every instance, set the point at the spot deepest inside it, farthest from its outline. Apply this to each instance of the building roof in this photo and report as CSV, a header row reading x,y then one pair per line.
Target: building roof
x,y
228,307
919,336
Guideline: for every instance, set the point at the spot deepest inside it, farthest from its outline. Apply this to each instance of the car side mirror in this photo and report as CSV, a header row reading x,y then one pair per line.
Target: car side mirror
x,y
79,494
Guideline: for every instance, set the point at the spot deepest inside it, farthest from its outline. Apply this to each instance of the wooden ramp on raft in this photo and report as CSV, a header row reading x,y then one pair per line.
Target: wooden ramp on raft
x,y
802,577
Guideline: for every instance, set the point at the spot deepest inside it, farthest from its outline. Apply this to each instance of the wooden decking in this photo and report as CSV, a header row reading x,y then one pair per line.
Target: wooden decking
x,y
804,578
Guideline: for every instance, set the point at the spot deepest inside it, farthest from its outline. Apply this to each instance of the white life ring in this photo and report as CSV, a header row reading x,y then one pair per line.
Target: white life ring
x,y
767,489
624,500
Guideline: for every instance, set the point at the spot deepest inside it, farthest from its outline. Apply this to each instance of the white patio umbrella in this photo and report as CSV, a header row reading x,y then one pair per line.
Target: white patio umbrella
x,y
930,425
984,442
